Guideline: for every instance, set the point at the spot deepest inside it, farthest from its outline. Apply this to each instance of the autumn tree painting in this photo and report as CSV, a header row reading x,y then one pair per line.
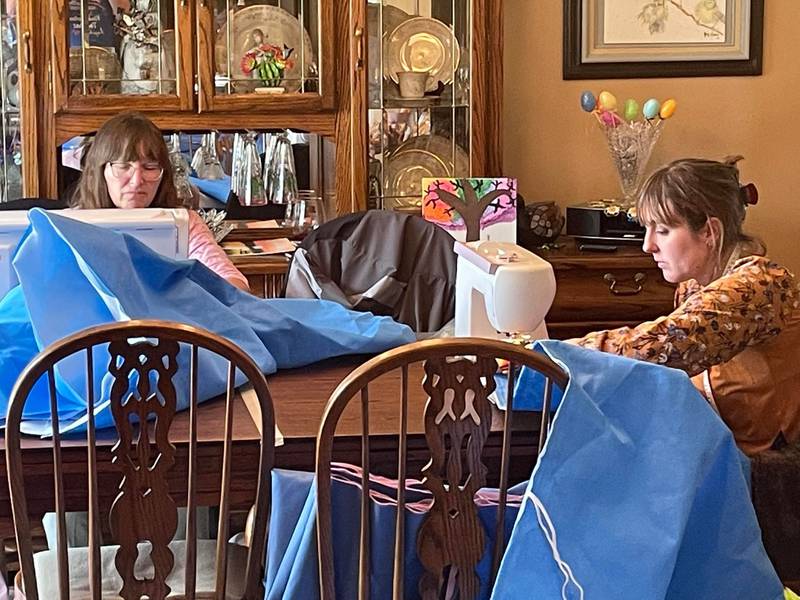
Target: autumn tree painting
x,y
469,204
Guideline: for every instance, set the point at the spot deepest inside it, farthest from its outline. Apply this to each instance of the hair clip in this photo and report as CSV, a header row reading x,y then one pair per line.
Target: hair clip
x,y
749,193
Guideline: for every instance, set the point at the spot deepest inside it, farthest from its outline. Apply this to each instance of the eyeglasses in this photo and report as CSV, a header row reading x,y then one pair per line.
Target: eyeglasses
x,y
125,170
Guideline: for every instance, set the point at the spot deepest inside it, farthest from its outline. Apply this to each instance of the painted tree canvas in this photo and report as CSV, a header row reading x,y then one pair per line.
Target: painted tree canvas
x,y
474,208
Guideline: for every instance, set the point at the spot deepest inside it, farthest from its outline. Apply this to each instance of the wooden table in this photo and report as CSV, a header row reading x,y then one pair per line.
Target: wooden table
x,y
299,397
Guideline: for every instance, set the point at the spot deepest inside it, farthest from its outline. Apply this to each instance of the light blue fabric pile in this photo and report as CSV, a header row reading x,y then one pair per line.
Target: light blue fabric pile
x,y
74,275
218,189
640,492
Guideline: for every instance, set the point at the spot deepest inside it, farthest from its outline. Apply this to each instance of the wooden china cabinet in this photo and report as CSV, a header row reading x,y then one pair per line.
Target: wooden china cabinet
x,y
76,70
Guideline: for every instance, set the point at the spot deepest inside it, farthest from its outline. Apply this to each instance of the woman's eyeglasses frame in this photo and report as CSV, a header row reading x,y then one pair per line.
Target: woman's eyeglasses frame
x,y
128,168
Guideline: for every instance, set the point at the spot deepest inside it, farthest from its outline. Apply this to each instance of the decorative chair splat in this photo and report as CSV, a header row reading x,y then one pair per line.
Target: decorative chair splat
x,y
457,421
145,463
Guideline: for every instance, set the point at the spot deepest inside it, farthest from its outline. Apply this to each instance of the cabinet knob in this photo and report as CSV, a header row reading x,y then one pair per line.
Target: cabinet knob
x,y
627,288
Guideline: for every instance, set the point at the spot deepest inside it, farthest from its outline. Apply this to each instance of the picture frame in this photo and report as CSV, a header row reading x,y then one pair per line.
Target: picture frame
x,y
616,39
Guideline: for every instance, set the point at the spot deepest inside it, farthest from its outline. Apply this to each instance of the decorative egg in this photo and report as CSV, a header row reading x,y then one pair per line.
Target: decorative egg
x,y
588,101
667,109
650,108
607,101
631,109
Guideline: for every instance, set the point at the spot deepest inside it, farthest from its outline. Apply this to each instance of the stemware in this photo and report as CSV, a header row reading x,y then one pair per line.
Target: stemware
x,y
281,178
180,173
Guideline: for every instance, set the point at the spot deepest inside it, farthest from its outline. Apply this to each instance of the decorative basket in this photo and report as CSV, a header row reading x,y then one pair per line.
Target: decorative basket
x,y
539,223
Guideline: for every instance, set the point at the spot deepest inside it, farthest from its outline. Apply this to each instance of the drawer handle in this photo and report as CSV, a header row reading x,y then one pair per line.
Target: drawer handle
x,y
359,35
625,289
27,62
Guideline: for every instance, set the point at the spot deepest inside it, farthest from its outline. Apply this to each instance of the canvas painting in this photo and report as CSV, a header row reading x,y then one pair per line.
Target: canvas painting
x,y
473,208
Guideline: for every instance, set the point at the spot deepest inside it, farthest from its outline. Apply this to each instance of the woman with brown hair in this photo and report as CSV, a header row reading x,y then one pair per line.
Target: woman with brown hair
x,y
736,325
127,166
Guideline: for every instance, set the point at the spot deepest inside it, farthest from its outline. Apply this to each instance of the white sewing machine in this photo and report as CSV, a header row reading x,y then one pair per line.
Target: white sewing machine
x,y
165,230
501,289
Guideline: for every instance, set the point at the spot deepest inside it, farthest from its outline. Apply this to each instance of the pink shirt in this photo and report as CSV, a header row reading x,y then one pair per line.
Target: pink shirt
x,y
203,247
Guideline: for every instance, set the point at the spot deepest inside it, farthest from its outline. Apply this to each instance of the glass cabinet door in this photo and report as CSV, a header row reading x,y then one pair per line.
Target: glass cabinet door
x,y
419,97
10,98
114,54
265,53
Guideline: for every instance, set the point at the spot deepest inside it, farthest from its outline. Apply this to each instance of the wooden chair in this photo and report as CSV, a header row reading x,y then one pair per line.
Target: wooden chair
x,y
143,511
458,379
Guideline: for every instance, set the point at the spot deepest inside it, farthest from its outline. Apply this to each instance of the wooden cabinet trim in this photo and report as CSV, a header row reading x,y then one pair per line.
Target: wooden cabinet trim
x,y
70,125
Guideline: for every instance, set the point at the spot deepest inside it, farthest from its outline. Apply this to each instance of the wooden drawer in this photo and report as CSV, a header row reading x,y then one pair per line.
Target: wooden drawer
x,y
610,295
604,290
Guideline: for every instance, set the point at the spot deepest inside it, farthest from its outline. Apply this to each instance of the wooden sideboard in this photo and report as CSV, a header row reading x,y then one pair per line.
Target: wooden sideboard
x,y
594,290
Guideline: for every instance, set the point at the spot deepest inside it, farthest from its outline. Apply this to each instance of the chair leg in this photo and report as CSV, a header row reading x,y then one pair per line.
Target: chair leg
x,y
3,561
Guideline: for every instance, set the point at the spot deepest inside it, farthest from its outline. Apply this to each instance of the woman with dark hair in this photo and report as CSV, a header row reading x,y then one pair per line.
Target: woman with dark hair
x,y
736,325
127,166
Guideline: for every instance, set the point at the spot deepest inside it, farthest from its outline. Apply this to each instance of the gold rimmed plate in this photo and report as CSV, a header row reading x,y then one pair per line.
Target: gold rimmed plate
x,y
391,17
419,157
254,25
422,44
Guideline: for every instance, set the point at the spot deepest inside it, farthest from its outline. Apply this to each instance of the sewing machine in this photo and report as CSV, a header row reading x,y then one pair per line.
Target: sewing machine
x,y
502,289
165,230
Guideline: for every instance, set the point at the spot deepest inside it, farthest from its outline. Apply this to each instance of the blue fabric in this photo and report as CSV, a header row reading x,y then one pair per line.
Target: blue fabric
x,y
292,566
74,275
218,189
528,391
646,491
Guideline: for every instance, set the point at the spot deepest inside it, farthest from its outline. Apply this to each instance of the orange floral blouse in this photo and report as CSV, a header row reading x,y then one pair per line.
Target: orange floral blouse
x,y
749,304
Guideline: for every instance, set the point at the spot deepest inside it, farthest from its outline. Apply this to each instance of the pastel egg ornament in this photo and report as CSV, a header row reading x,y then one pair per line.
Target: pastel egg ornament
x,y
630,109
588,101
651,108
667,109
607,101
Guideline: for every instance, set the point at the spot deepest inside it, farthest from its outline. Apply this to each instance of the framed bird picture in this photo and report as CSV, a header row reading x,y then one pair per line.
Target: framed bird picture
x,y
472,208
609,39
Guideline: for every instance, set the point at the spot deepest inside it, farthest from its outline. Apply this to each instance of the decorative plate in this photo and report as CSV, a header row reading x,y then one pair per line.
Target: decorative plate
x,y
272,25
422,44
422,156
11,76
392,17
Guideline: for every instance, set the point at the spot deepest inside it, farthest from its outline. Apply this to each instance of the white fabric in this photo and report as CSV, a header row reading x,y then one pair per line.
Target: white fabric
x,y
77,525
46,566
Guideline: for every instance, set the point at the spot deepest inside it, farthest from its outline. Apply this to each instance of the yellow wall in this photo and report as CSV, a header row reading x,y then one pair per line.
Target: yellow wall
x,y
557,153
